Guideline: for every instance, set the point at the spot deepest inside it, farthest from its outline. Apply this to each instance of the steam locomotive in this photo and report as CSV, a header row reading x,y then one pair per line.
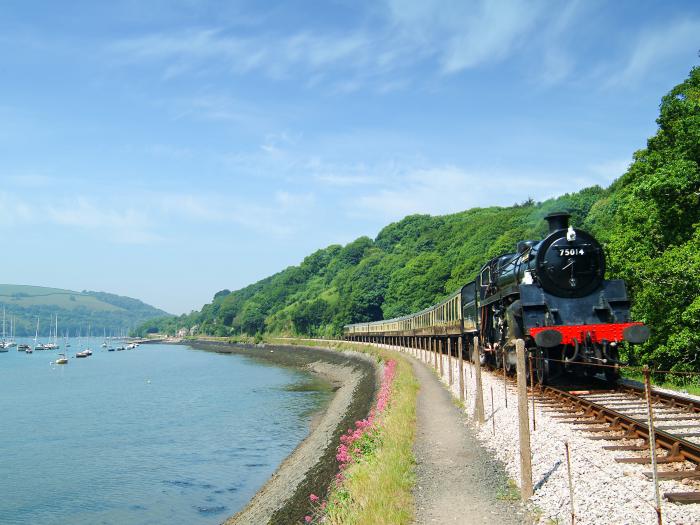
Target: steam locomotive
x,y
551,293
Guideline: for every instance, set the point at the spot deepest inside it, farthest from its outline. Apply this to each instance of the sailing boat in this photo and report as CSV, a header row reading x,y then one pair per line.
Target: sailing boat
x,y
24,347
52,345
104,337
12,341
87,351
37,346
3,344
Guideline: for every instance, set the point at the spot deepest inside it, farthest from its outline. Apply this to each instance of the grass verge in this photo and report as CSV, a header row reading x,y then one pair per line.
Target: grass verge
x,y
681,384
377,486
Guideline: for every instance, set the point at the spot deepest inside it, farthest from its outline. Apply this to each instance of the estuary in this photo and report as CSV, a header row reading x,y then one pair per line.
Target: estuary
x,y
158,434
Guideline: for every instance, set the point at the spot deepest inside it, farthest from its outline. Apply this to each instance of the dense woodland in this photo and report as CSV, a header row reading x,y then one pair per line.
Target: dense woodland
x,y
648,220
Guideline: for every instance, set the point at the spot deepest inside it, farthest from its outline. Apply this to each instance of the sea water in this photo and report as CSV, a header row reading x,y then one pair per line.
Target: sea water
x,y
158,434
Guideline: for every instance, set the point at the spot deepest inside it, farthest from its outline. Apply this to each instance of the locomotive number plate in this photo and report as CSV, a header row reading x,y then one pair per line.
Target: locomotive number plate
x,y
568,252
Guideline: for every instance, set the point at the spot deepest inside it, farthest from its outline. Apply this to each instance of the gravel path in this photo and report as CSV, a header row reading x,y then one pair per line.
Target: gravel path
x,y
458,481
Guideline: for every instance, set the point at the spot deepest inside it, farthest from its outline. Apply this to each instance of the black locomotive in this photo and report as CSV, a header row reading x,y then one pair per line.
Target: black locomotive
x,y
551,293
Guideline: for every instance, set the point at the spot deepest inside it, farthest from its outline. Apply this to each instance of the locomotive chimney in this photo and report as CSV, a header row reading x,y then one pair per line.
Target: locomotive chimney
x,y
558,220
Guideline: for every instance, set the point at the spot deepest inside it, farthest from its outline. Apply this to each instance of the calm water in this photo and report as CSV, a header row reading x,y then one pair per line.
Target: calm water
x,y
159,434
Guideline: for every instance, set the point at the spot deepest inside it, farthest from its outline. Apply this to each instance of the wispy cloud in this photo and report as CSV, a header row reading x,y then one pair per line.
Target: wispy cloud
x,y
278,215
29,181
610,169
448,189
656,48
157,216
465,34
274,55
381,53
122,224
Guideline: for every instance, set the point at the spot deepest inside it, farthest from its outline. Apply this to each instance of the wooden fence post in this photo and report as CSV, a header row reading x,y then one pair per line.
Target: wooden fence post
x,y
434,349
440,346
479,404
652,442
461,368
449,358
523,424
505,383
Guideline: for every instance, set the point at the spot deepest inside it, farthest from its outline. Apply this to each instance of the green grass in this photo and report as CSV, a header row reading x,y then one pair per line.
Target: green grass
x,y
683,384
378,488
510,492
28,296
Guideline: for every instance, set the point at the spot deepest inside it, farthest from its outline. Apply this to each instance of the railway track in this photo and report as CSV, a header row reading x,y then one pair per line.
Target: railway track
x,y
620,415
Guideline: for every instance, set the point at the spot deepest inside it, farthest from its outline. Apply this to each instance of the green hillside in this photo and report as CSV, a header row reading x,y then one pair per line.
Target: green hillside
x,y
647,219
75,310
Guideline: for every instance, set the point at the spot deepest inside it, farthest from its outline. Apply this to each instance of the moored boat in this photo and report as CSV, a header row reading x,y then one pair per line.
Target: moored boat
x,y
61,359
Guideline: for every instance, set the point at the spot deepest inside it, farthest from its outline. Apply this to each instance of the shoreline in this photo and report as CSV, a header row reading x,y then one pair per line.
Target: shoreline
x,y
310,468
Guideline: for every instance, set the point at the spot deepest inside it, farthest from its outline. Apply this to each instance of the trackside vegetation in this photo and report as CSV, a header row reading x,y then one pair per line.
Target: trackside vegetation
x,y
648,220
375,458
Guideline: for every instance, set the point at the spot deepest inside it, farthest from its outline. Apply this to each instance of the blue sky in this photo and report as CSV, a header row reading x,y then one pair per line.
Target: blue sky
x,y
168,149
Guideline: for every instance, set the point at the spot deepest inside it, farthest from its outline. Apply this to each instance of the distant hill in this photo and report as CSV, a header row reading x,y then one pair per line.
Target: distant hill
x,y
76,311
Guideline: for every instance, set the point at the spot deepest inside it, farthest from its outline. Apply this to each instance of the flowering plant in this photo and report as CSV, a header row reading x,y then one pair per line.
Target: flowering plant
x,y
358,443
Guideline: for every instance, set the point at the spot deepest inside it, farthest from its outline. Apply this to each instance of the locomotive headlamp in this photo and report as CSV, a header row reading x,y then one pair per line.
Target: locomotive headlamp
x,y
570,234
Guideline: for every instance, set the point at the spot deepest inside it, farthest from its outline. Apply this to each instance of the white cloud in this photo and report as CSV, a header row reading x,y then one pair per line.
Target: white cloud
x,y
449,189
380,53
274,55
29,180
656,48
156,216
609,170
116,223
465,34
278,215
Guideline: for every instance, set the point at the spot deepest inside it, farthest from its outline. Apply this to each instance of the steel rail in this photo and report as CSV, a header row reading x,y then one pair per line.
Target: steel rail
x,y
668,399
635,428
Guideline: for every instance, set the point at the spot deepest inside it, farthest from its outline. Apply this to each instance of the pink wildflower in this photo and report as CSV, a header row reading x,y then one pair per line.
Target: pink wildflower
x,y
314,498
307,519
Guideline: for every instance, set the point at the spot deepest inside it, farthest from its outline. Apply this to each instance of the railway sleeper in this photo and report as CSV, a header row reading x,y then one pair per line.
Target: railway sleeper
x,y
683,497
659,460
597,430
638,448
675,475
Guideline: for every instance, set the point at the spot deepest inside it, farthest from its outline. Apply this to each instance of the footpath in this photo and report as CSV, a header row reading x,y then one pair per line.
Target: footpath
x,y
457,480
